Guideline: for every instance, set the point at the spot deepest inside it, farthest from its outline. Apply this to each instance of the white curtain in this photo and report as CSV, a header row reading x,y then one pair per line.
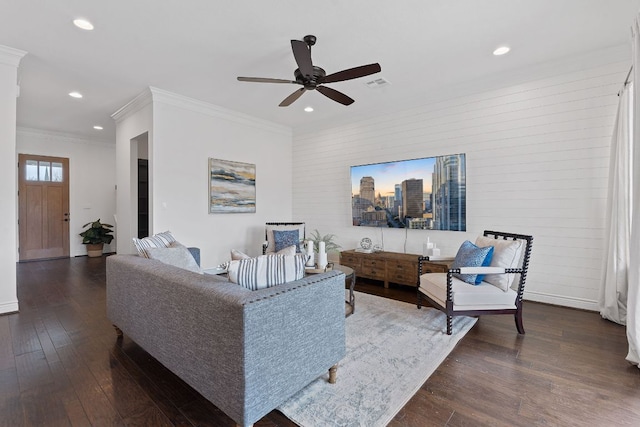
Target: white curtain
x,y
633,303
613,293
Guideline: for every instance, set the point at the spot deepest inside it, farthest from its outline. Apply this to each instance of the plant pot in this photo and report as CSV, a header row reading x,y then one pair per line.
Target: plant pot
x,y
94,249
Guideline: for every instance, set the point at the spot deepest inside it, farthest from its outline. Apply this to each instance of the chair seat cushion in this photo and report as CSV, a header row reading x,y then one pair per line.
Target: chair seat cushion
x,y
484,296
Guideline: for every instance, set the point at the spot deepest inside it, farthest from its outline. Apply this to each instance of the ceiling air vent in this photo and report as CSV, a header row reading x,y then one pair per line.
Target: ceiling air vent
x,y
376,83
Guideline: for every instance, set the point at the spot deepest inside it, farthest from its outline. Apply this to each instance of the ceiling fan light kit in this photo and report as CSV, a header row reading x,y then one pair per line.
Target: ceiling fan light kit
x,y
311,77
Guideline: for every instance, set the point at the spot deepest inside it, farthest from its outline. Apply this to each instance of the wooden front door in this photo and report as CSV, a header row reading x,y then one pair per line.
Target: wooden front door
x,y
43,199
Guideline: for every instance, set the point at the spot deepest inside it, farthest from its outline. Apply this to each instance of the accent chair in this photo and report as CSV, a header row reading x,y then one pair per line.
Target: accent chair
x,y
472,290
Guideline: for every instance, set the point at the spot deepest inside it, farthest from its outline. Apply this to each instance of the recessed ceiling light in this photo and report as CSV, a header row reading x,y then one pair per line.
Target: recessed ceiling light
x,y
83,23
75,94
501,50
98,127
308,109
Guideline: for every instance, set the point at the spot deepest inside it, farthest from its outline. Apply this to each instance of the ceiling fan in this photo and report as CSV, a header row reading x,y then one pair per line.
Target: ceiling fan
x,y
311,77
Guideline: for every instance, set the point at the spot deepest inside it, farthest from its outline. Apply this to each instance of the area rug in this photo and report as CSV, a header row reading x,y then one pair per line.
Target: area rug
x,y
392,348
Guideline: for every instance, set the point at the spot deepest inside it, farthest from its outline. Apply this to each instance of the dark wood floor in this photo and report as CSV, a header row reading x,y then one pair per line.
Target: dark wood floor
x,y
60,364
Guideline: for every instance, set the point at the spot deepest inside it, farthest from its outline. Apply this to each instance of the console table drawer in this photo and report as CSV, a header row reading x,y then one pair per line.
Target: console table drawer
x,y
402,272
350,261
403,277
374,272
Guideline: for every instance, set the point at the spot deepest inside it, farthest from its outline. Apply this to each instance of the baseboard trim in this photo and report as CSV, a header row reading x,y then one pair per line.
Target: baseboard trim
x,y
9,307
562,300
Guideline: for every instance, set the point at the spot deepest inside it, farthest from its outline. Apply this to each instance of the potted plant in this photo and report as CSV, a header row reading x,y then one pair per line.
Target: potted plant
x,y
96,236
329,244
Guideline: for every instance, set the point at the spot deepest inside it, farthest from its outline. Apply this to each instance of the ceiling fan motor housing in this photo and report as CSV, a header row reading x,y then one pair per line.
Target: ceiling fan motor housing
x,y
314,81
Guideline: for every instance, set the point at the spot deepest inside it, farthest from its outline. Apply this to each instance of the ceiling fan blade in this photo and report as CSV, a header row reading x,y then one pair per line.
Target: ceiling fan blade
x,y
291,98
302,54
335,95
265,80
352,73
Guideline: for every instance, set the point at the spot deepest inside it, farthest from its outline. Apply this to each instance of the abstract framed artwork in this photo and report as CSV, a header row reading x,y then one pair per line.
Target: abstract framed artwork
x,y
232,187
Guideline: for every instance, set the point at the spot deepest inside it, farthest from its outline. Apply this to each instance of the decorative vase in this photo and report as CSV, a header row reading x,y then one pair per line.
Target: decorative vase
x,y
94,250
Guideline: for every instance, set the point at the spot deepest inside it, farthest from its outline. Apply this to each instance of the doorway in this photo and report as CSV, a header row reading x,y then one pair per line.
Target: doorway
x,y
43,207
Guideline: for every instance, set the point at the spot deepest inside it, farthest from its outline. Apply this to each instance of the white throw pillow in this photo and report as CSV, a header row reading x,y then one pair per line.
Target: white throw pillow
x,y
178,257
266,271
506,254
159,240
237,255
289,250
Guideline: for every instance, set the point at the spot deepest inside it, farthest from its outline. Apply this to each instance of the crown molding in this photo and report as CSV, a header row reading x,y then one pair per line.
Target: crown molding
x,y
184,102
61,136
133,106
11,56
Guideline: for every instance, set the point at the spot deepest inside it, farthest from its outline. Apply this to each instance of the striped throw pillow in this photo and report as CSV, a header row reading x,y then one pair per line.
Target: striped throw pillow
x,y
159,240
266,271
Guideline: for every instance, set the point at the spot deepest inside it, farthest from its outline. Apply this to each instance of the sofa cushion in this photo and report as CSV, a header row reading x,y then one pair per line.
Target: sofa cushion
x,y
506,254
465,296
266,271
178,256
159,240
286,238
469,255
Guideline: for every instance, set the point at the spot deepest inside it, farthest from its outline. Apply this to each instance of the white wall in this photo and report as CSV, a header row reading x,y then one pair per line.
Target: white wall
x,y
9,60
186,133
132,121
537,163
92,163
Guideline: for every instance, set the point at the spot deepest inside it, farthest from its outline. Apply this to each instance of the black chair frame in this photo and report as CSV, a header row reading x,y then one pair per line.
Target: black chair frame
x,y
522,271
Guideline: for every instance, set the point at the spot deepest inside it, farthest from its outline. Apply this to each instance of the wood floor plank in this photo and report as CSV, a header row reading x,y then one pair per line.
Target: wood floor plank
x,y
10,402
161,400
96,405
41,406
6,349
23,335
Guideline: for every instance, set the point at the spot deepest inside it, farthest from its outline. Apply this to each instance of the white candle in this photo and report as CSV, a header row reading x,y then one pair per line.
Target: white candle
x,y
309,247
322,260
321,247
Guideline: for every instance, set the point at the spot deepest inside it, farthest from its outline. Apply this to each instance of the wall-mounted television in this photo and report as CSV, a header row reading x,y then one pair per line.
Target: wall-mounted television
x,y
426,194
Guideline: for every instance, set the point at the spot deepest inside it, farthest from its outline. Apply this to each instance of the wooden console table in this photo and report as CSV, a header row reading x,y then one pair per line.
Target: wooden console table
x,y
390,267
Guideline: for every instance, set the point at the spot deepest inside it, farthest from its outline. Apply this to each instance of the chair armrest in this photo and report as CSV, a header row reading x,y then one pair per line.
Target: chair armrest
x,y
485,270
482,270
195,252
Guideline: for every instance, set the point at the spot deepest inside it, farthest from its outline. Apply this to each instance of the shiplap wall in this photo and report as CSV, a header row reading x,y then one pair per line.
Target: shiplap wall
x,y
537,157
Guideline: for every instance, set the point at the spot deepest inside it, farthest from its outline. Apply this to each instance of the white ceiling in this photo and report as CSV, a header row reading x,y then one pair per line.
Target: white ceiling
x,y
197,48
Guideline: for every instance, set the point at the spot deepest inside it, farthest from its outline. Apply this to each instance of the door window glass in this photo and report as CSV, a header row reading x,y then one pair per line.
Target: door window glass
x,y
32,170
56,172
44,171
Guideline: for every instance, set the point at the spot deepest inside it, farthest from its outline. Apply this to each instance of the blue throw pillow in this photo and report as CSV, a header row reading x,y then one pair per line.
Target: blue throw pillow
x,y
286,238
469,255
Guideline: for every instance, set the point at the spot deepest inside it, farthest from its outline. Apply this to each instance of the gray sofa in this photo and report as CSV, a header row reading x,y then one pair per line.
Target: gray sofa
x,y
245,351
